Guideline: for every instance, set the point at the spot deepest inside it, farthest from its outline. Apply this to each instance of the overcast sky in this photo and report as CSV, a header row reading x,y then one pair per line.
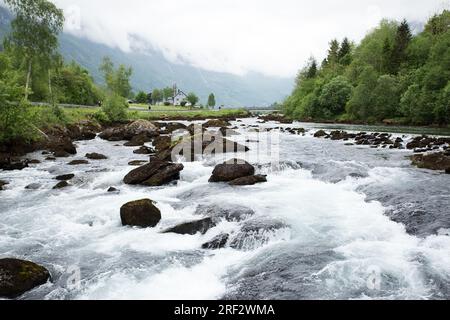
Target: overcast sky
x,y
274,37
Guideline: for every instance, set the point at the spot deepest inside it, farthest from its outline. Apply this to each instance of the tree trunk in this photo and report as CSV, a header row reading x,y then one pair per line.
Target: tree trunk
x,y
27,85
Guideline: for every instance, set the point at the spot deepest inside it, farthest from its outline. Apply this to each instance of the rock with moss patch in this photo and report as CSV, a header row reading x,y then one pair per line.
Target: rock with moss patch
x,y
19,276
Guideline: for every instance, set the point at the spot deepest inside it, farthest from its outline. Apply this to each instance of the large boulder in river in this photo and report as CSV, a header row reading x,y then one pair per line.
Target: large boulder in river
x,y
232,170
155,173
432,161
2,184
217,242
140,213
18,277
193,227
128,131
216,123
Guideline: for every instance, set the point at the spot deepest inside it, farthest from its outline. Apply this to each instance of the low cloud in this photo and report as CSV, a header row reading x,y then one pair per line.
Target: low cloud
x,y
274,37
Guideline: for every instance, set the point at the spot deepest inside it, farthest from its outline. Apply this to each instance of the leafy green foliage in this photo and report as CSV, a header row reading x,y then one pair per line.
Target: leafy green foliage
x,y
390,74
192,99
117,80
115,107
211,100
141,97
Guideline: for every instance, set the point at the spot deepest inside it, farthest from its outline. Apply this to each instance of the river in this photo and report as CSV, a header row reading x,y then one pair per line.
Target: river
x,y
332,222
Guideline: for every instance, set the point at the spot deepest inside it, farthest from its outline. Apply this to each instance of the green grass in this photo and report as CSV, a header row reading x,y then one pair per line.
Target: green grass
x,y
159,108
44,117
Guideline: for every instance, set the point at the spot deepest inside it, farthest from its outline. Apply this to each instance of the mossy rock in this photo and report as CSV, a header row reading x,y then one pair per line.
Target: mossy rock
x,y
19,276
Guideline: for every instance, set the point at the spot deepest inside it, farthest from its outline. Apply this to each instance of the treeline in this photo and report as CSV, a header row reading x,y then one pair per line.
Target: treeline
x,y
31,69
391,76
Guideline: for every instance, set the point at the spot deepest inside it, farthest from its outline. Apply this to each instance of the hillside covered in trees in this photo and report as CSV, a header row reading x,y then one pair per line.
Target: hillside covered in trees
x,y
391,76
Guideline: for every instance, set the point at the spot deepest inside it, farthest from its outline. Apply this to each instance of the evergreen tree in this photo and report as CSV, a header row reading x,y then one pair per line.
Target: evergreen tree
x,y
399,50
312,70
333,52
344,50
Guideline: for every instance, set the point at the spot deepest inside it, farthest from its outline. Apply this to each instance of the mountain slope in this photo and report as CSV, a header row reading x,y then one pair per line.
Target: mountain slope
x,y
153,70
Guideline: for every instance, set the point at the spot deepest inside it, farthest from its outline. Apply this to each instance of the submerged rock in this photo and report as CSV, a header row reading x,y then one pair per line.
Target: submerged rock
x,y
155,173
144,150
19,276
2,184
65,177
193,227
96,156
217,242
140,213
61,185
137,162
112,189
225,211
138,140
232,170
78,162
33,186
248,181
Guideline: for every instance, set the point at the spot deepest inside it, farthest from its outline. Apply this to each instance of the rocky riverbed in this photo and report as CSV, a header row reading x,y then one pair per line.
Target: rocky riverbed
x,y
287,211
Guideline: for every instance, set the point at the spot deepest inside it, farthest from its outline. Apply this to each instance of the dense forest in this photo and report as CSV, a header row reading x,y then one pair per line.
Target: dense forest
x,y
391,76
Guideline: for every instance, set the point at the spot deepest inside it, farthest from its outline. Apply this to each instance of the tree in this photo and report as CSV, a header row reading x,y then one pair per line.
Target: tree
x,y
361,103
156,96
167,93
344,52
333,52
399,49
35,31
141,97
386,97
312,69
192,99
211,101
335,95
117,81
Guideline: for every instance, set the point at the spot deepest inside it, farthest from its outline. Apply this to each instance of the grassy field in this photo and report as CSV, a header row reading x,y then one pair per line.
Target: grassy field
x,y
158,108
44,117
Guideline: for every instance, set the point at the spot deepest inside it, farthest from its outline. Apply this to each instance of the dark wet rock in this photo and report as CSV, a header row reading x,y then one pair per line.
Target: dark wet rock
x,y
199,226
217,242
144,150
33,186
232,170
19,276
155,173
112,189
12,164
224,131
162,143
128,131
447,171
84,130
174,126
34,161
65,177
61,154
225,211
216,123
275,117
432,161
96,156
138,140
137,162
77,162
50,158
248,181
320,134
61,185
251,141
140,213
2,184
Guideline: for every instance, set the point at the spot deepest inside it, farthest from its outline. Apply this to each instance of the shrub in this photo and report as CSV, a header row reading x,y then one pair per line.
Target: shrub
x,y
115,107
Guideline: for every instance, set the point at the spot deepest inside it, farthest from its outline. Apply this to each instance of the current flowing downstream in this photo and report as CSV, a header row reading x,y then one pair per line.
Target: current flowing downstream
x,y
332,222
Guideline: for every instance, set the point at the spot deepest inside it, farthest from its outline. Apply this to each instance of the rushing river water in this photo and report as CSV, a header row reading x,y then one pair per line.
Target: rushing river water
x,y
332,222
